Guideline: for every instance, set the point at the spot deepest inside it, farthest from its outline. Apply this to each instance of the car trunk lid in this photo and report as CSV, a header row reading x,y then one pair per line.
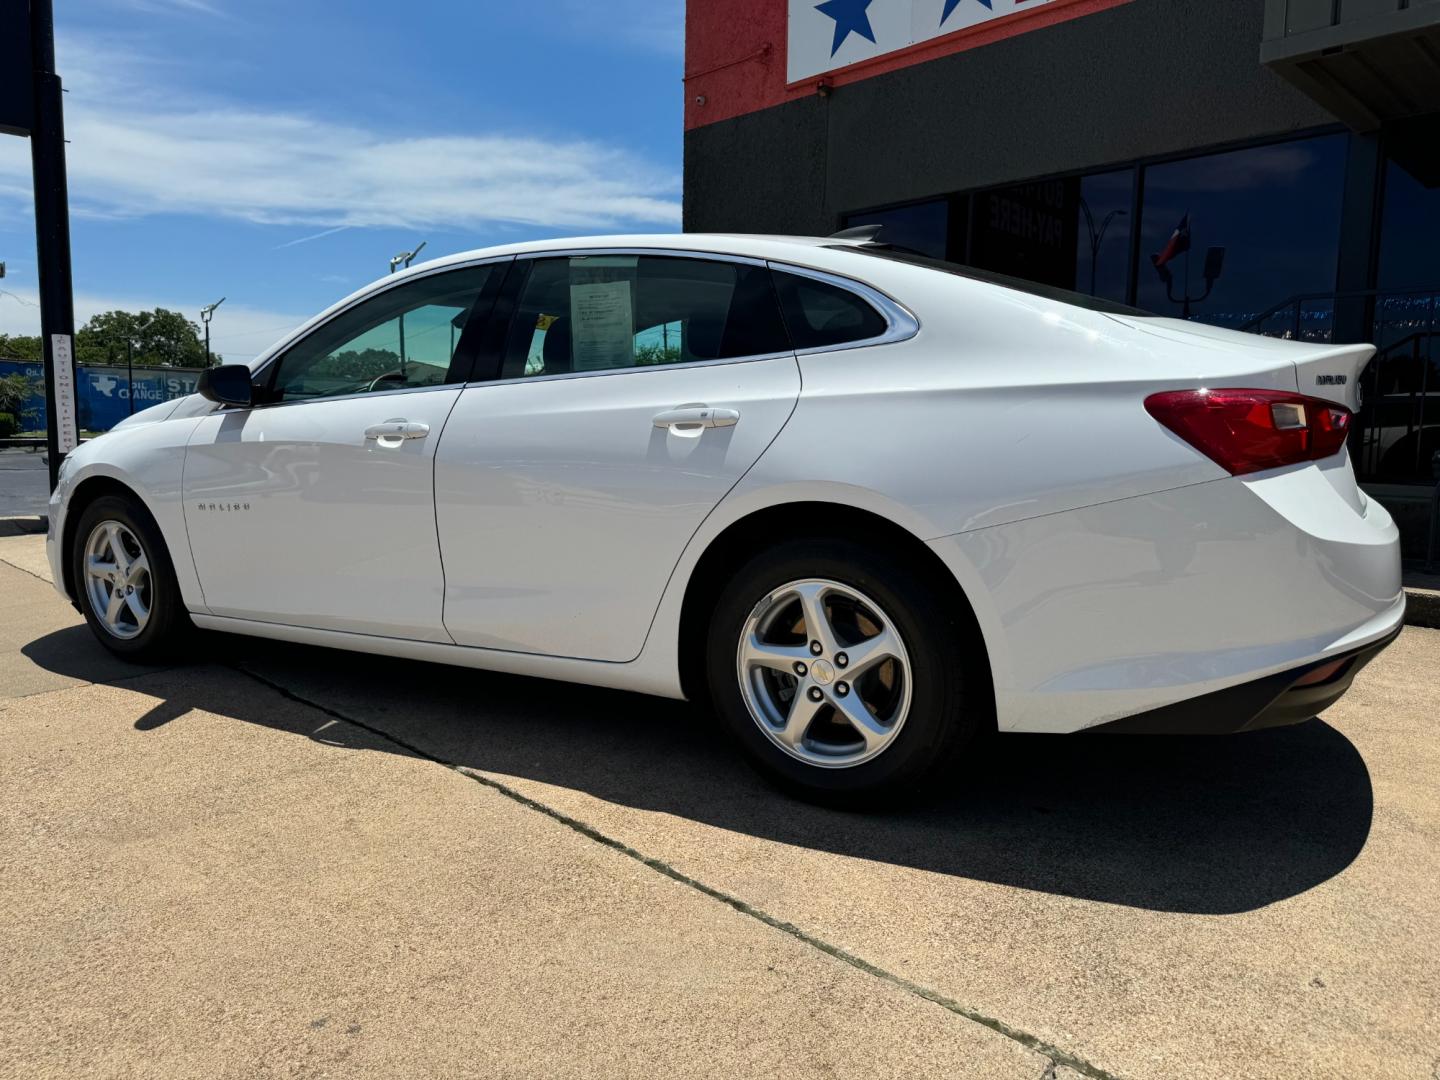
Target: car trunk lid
x,y
1328,372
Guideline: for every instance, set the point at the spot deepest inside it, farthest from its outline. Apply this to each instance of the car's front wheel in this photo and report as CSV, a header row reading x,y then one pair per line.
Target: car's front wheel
x,y
125,582
843,671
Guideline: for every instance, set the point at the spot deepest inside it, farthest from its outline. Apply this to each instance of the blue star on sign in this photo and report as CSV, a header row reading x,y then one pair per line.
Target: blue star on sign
x,y
951,5
850,18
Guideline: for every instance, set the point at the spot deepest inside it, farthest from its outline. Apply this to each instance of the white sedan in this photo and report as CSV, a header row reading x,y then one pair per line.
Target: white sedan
x,y
868,505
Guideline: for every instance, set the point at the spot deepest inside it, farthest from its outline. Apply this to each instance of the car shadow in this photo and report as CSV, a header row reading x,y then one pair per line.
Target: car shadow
x,y
1205,825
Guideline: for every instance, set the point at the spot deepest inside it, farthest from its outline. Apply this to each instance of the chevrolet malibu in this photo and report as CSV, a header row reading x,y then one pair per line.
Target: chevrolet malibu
x,y
868,505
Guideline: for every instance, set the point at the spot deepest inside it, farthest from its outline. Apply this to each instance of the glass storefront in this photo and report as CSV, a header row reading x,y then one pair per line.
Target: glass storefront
x,y
1104,228
1262,222
1266,218
1409,229
922,227
1227,237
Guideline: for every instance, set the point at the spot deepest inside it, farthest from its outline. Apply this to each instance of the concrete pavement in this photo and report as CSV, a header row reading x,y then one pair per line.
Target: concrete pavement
x,y
293,862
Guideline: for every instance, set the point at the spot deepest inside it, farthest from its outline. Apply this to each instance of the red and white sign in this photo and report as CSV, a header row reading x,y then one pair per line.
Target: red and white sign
x,y
745,55
837,33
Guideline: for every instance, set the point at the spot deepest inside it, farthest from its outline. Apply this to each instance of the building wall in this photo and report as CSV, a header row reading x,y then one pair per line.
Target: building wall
x,y
1141,79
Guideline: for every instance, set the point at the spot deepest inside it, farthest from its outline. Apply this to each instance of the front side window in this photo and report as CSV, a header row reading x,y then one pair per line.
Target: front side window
x,y
405,337
605,312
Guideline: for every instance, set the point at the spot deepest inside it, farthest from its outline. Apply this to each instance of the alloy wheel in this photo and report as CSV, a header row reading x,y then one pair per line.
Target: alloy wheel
x,y
118,582
824,673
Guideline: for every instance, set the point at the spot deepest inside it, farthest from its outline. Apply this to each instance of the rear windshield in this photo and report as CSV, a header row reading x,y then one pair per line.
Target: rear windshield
x,y
1034,288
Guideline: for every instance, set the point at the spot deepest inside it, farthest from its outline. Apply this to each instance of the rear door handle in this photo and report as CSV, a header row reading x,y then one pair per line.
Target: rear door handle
x,y
393,433
696,417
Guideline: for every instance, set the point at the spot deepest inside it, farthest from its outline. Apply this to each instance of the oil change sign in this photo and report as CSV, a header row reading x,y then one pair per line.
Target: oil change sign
x,y
836,33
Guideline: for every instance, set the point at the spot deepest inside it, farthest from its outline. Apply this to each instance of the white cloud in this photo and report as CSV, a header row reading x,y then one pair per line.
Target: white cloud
x,y
203,7
238,332
135,150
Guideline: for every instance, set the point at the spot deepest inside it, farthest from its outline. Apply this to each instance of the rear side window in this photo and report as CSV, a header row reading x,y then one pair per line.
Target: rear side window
x,y
820,315
607,312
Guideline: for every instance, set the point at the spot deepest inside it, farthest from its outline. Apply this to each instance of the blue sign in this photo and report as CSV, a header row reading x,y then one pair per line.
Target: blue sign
x,y
103,395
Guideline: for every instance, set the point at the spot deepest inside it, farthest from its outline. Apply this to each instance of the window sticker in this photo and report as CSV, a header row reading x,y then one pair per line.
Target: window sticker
x,y
602,323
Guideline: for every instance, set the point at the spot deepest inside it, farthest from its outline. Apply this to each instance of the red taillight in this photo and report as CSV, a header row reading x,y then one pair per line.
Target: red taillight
x,y
1245,431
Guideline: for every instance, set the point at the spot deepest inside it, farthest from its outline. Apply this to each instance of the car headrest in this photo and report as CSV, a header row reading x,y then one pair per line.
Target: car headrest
x,y
557,347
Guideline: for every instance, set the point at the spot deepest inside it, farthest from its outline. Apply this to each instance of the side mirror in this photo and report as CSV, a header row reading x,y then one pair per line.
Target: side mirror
x,y
228,384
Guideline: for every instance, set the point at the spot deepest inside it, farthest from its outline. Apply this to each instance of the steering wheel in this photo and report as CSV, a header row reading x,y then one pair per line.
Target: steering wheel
x,y
389,376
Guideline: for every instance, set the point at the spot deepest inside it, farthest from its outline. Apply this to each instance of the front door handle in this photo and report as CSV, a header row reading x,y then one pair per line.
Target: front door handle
x,y
394,433
696,418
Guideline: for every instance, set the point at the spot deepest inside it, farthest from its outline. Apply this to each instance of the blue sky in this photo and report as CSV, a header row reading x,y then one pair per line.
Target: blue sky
x,y
279,153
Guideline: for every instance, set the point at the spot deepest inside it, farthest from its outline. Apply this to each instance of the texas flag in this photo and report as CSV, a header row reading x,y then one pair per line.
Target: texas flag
x,y
1178,245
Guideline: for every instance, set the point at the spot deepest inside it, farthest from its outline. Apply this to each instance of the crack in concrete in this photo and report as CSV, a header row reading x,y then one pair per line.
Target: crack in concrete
x,y
1057,1057
32,573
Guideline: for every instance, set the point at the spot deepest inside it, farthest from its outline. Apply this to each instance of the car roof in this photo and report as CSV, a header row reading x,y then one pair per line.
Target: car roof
x,y
754,245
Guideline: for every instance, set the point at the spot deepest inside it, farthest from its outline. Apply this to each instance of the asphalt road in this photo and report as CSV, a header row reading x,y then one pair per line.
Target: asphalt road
x,y
294,862
24,483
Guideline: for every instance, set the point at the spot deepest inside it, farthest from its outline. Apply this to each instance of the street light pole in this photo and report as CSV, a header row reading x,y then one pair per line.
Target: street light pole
x,y
52,234
405,258
1097,236
206,314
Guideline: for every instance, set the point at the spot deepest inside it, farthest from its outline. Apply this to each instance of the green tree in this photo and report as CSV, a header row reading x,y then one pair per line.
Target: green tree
x,y
20,347
158,338
14,389
647,355
356,364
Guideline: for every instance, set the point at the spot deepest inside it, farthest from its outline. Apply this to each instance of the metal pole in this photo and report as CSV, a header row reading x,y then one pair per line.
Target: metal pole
x,y
52,239
206,314
130,373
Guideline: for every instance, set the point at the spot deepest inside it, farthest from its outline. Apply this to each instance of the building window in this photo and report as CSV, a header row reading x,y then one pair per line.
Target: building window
x,y
1072,233
1408,230
1104,230
1027,231
922,227
1226,236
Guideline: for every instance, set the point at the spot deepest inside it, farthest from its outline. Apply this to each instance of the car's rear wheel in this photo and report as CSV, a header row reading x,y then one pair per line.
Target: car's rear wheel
x,y
125,582
843,672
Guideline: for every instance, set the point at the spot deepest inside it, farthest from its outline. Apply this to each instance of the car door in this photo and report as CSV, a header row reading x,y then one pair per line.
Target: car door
x,y
316,507
631,393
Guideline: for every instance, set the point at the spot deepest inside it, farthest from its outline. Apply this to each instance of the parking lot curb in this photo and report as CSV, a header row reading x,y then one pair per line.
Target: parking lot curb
x,y
1422,604
23,526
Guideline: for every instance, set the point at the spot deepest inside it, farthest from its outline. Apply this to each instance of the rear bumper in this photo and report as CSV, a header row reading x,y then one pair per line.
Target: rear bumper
x,y
1126,608
1290,697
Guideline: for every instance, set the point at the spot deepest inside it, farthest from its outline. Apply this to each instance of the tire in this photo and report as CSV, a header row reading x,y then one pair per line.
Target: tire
x,y
150,586
924,712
